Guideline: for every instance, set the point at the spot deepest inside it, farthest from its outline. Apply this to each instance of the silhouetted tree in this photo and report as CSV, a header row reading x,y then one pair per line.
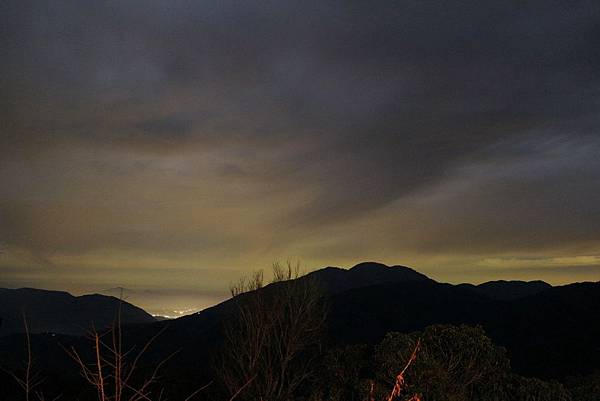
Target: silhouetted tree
x,y
112,371
29,379
455,363
274,336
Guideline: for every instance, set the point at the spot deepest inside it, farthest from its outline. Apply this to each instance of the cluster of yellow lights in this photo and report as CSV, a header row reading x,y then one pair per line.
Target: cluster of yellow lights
x,y
177,313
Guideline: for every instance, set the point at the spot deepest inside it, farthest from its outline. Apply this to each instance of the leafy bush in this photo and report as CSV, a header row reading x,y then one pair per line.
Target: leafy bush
x,y
454,363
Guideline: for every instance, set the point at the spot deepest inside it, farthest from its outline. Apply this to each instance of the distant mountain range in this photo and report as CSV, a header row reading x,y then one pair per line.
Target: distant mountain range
x,y
549,332
508,290
336,280
60,312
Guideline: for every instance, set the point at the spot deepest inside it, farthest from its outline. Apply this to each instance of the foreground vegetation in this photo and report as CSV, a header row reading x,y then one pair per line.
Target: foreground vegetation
x,y
274,347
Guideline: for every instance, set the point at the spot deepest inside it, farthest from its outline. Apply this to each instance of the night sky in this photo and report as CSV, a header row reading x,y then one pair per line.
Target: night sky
x,y
171,146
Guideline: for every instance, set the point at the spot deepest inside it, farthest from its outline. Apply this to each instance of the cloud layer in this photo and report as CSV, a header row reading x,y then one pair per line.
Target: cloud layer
x,y
228,134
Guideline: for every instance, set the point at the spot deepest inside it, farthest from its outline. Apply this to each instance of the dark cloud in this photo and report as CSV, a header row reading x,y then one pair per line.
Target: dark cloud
x,y
545,200
278,121
175,126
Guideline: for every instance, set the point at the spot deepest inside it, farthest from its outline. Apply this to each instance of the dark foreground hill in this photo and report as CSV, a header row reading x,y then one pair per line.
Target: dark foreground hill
x,y
552,334
61,312
549,332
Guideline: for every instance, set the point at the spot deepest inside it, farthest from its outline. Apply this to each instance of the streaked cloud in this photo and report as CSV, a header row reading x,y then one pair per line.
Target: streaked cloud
x,y
224,135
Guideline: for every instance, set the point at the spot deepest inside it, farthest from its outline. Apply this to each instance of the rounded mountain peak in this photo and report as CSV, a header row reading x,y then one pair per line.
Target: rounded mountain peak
x,y
369,266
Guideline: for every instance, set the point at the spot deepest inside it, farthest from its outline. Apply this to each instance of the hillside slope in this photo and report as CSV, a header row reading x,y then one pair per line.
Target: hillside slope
x,y
61,312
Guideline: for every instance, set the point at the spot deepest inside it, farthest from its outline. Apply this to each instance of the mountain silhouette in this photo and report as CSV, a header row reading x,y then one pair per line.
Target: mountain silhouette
x,y
335,280
552,333
61,312
509,290
549,332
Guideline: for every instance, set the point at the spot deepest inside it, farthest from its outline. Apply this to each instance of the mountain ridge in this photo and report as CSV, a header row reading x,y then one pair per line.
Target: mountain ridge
x,y
549,333
508,290
61,312
336,279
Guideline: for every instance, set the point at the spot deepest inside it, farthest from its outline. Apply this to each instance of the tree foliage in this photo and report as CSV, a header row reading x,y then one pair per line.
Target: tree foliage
x,y
455,363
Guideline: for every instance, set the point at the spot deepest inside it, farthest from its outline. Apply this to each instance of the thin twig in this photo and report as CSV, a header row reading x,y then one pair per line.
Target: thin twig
x,y
234,396
197,391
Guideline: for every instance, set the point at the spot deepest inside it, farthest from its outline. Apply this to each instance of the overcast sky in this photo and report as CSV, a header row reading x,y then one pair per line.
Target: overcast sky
x,y
175,145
